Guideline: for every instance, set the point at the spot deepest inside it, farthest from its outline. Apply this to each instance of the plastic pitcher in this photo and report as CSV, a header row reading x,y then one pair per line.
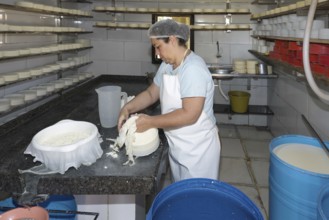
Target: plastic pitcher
x,y
109,104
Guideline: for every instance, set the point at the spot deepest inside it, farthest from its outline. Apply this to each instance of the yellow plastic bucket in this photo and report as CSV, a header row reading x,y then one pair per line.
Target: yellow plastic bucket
x,y
239,101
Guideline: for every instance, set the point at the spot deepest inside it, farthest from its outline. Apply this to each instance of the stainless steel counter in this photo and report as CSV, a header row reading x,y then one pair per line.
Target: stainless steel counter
x,y
234,75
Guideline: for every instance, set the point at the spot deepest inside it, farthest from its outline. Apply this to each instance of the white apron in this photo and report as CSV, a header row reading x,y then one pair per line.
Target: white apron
x,y
194,151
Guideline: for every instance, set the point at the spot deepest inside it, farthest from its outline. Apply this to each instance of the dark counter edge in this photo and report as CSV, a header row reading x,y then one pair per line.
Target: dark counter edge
x,y
12,183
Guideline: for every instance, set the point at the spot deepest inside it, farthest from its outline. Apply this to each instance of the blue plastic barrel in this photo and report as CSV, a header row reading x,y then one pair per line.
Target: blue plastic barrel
x,y
293,192
202,199
323,203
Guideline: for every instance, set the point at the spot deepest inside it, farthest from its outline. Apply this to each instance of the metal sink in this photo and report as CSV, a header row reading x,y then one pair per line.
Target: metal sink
x,y
222,76
220,69
221,72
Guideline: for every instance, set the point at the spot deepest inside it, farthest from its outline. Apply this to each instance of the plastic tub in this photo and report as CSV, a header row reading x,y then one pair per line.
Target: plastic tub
x,y
201,198
323,203
239,101
294,190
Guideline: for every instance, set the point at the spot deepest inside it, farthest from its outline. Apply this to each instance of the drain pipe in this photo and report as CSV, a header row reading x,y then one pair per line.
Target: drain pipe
x,y
324,96
221,92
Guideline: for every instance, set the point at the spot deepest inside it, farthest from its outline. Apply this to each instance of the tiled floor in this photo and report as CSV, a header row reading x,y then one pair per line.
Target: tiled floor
x,y
245,161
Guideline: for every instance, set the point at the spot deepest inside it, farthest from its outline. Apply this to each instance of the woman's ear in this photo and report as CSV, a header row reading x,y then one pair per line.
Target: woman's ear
x,y
173,39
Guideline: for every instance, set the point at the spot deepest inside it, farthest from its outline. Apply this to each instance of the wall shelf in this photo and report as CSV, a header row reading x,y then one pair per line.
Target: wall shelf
x,y
180,12
46,53
48,95
298,72
169,10
40,11
290,9
45,32
209,27
252,110
55,72
272,38
77,1
242,76
264,2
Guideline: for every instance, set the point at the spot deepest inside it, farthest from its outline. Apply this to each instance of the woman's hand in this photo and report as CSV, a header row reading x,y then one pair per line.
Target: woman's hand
x,y
141,101
143,123
123,117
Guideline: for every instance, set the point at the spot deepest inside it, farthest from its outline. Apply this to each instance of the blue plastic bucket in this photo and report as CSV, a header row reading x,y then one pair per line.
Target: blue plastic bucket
x,y
202,199
293,192
323,203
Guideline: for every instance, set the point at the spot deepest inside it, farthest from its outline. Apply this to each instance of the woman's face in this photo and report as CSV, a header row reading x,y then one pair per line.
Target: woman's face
x,y
163,49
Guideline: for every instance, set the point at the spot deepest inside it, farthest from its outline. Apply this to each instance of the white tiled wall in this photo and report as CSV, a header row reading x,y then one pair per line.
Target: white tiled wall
x,y
290,99
133,46
129,207
128,52
258,96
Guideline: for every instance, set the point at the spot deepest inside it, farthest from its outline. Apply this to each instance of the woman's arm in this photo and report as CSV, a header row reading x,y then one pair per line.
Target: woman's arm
x,y
187,115
140,102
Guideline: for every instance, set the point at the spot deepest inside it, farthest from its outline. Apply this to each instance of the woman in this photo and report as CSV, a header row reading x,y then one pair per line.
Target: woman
x,y
185,89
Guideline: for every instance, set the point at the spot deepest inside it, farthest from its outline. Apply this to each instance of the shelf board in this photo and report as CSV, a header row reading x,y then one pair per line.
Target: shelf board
x,y
40,11
274,62
252,110
320,6
298,72
77,1
320,41
220,29
45,32
260,2
200,28
228,76
40,54
170,11
46,74
56,92
121,27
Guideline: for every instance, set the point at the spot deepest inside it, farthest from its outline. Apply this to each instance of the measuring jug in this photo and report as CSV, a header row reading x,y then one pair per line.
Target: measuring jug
x,y
109,104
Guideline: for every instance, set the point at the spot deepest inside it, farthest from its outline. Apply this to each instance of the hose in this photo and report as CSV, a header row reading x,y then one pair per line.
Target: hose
x,y
219,82
306,61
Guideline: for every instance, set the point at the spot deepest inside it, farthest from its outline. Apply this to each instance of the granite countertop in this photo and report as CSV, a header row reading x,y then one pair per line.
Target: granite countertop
x,y
107,175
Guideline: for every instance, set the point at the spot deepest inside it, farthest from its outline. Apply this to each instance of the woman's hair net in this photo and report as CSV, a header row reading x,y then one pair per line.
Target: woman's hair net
x,y
169,27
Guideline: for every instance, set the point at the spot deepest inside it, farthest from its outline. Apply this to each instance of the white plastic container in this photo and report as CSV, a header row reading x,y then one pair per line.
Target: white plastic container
x,y
10,77
49,86
15,99
40,90
29,95
324,33
4,104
